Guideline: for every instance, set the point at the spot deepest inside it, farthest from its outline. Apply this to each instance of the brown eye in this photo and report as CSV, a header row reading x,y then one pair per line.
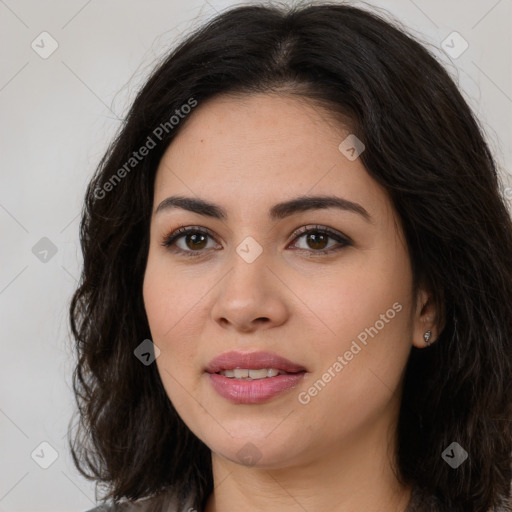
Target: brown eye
x,y
317,239
193,243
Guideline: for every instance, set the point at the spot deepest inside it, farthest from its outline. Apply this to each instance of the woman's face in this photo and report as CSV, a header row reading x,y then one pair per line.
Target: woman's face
x,y
255,283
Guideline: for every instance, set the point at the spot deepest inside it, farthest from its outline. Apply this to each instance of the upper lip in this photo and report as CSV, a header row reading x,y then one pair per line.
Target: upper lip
x,y
251,361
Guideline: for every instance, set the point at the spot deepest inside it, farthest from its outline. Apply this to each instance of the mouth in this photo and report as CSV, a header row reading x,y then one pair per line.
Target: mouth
x,y
254,377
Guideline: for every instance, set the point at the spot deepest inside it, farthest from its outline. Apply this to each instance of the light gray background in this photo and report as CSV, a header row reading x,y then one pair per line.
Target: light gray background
x,y
57,115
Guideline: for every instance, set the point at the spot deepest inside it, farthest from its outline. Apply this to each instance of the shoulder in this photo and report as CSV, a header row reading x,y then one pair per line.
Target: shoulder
x,y
148,504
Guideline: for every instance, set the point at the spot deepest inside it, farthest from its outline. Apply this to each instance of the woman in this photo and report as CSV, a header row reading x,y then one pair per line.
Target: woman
x,y
297,280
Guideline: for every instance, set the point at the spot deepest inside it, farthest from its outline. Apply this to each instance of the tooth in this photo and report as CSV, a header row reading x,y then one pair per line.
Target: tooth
x,y
245,373
258,374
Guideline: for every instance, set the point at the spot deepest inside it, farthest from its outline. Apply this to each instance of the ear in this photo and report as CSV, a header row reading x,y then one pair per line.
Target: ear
x,y
426,318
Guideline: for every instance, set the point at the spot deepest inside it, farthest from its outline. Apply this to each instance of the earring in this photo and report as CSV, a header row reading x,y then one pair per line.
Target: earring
x,y
427,336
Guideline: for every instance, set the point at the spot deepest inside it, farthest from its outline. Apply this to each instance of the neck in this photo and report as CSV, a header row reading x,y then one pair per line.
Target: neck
x,y
355,476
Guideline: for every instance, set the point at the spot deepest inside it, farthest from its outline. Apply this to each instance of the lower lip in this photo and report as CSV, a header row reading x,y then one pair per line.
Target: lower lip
x,y
253,391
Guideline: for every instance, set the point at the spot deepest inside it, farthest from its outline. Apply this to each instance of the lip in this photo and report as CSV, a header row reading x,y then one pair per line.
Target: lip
x,y
253,391
252,361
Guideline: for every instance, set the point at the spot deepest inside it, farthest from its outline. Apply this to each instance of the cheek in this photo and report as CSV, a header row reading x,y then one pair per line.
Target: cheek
x,y
359,369
356,296
157,302
175,357
365,318
173,321
168,301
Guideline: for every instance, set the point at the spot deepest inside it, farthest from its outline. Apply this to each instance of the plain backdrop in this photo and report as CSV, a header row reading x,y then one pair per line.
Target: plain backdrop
x,y
57,115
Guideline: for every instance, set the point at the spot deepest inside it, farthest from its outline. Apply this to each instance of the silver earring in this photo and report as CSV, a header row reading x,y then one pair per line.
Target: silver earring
x,y
427,336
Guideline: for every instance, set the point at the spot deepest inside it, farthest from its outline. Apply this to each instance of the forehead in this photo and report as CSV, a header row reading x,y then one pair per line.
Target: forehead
x,y
260,149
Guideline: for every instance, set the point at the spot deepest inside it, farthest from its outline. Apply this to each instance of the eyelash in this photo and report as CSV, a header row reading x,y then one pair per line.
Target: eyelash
x,y
170,239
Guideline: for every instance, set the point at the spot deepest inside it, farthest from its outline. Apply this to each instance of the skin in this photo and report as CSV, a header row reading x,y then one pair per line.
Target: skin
x,y
337,451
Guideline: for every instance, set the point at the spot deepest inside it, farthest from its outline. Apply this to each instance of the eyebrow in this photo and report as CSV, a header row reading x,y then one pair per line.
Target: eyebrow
x,y
277,212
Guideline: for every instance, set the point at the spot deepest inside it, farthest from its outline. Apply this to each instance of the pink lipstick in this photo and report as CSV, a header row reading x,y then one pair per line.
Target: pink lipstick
x,y
254,377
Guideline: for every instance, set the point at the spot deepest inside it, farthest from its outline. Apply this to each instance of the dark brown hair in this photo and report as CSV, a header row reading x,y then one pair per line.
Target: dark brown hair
x,y
423,145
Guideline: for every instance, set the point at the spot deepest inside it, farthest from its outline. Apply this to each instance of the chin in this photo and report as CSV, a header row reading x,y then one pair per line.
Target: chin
x,y
258,449
250,454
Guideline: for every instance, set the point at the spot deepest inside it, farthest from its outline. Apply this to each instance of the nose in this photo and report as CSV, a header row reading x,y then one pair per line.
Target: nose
x,y
251,296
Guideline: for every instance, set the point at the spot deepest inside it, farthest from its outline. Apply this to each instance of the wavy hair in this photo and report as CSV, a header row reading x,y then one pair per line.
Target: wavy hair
x,y
423,145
